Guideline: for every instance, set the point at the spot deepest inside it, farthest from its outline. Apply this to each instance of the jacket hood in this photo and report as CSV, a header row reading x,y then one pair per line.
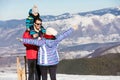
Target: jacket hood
x,y
30,11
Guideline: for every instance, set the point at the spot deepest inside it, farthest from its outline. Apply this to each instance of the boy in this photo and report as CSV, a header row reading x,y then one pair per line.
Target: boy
x,y
33,14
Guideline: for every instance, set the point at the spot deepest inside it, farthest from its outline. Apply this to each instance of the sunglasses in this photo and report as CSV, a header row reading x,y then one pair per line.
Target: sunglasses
x,y
38,23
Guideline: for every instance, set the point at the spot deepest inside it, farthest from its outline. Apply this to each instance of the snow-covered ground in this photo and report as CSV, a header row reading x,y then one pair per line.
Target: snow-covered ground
x,y
13,76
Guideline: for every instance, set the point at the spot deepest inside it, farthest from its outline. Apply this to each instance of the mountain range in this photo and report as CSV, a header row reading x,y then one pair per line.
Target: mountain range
x,y
97,29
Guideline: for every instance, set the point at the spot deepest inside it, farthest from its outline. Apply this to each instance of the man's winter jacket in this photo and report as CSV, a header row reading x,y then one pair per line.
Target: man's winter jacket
x,y
31,50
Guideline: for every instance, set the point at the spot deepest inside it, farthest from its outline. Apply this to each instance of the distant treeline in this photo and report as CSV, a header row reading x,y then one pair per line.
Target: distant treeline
x,y
102,65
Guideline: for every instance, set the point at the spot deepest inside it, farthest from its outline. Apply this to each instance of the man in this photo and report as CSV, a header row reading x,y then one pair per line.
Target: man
x,y
32,51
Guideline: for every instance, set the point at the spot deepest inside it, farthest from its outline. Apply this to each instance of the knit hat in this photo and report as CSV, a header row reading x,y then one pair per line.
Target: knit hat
x,y
51,31
34,9
49,36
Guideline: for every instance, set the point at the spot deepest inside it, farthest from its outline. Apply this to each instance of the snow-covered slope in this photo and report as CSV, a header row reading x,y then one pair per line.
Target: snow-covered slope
x,y
13,76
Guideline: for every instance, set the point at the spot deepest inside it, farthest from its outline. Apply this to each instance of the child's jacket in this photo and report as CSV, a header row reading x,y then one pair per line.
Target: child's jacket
x,y
48,54
30,22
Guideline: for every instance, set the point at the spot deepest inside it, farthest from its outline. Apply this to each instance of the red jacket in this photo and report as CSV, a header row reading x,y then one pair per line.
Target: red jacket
x,y
31,50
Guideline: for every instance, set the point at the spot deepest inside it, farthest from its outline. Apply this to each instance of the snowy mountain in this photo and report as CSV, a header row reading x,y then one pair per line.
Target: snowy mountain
x,y
100,26
115,49
114,10
90,50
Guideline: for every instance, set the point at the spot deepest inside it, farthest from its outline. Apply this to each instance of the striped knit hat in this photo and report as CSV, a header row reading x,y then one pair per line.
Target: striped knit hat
x,y
34,9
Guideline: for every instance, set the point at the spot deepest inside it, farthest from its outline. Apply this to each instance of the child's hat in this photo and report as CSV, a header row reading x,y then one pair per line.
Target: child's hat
x,y
34,9
51,31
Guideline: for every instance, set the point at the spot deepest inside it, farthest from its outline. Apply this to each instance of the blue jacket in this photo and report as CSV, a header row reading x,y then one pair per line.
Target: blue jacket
x,y
48,54
29,20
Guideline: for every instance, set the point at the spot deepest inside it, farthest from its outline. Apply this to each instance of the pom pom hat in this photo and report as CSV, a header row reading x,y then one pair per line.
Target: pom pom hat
x,y
34,9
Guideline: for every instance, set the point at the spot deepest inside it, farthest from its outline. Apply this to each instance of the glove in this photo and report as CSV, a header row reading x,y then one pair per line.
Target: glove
x,y
19,39
75,27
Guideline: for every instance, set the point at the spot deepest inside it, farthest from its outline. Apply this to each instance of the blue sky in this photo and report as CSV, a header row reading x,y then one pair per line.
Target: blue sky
x,y
18,9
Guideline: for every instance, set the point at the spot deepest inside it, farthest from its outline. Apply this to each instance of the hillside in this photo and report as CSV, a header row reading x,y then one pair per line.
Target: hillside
x,y
103,65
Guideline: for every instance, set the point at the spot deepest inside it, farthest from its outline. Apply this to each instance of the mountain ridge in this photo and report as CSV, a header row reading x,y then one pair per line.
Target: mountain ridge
x,y
112,10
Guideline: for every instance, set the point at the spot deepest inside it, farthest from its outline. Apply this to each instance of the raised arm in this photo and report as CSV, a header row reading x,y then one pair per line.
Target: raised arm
x,y
66,33
33,41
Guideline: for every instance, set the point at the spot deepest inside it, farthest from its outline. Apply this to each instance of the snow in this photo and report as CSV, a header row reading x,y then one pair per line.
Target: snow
x,y
107,18
118,7
13,76
8,76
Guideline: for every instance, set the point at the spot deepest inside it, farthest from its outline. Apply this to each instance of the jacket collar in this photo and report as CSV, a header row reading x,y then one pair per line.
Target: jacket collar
x,y
36,29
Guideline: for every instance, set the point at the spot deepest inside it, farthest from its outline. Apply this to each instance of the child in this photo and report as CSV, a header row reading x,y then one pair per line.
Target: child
x,y
33,14
48,57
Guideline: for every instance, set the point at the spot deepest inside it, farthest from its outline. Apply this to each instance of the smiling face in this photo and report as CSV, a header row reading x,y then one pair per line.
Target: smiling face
x,y
38,24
